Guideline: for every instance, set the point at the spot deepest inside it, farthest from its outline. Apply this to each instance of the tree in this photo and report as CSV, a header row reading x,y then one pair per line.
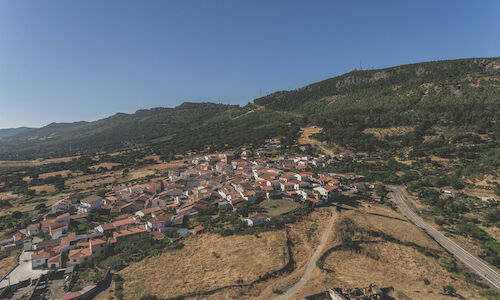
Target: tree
x,y
449,290
347,242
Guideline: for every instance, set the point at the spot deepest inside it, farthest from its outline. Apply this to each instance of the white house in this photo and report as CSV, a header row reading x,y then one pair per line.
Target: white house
x,y
328,192
158,222
90,204
256,219
54,262
33,229
39,259
62,205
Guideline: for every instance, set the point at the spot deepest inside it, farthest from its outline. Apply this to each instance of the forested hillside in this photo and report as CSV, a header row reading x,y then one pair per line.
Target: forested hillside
x,y
12,131
189,126
449,109
445,109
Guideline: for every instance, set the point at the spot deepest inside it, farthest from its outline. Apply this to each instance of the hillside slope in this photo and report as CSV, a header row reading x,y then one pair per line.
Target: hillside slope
x,y
189,126
456,101
7,132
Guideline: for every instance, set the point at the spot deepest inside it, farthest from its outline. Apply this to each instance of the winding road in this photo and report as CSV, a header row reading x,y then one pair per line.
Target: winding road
x,y
474,263
311,264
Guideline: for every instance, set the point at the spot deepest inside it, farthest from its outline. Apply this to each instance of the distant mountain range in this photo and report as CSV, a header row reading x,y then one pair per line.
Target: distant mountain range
x,y
7,132
461,95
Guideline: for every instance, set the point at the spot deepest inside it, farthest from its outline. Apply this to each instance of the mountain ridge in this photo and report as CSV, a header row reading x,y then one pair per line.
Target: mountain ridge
x,y
458,93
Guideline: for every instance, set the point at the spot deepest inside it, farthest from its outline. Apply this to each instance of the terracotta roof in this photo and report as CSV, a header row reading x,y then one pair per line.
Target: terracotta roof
x,y
56,258
129,231
91,199
157,235
331,187
107,226
98,241
34,226
124,222
40,254
151,210
77,253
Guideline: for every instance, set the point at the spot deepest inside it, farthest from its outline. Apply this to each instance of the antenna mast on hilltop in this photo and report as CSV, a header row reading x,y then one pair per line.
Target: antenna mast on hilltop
x,y
360,66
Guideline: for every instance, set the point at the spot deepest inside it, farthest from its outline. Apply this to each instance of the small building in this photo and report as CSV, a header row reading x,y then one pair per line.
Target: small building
x,y
33,229
254,219
90,204
39,259
55,261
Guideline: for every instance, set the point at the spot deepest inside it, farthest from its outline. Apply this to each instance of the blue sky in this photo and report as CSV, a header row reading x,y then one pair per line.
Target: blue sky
x,y
66,61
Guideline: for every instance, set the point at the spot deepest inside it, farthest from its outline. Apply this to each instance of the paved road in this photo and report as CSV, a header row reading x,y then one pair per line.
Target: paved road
x,y
474,263
23,271
311,264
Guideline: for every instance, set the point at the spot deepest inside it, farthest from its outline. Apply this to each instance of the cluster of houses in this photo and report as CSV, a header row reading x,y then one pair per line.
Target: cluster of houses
x,y
218,181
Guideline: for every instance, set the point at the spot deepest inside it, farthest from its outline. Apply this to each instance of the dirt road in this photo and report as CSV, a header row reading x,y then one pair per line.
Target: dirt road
x,y
305,138
311,264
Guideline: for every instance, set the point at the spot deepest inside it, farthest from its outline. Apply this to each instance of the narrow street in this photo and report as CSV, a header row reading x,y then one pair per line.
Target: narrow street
x,y
23,271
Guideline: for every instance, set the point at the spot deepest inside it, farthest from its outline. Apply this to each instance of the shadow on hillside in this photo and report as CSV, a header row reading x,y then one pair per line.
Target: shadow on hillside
x,y
349,201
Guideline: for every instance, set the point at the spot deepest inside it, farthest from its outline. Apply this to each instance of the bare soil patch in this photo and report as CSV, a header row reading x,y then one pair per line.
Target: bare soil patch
x,y
306,138
9,196
36,162
105,165
8,263
43,189
382,133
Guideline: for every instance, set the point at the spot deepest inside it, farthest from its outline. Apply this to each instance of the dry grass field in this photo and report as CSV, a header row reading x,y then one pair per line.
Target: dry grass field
x,y
105,165
87,182
276,207
63,173
385,263
33,163
305,237
382,218
29,206
153,170
305,138
206,262
388,265
43,189
8,263
9,196
101,179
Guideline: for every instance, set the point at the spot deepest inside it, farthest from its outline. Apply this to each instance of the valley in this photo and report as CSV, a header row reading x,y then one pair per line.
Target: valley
x,y
367,178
